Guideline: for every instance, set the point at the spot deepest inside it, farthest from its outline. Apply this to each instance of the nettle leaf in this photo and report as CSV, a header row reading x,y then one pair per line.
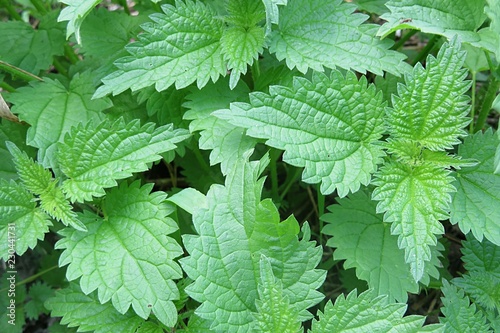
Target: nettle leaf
x,y
460,315
492,9
431,108
17,205
16,133
414,198
180,46
272,12
127,255
226,142
95,157
274,312
75,13
482,280
365,242
316,34
39,292
328,125
233,232
476,204
369,313
86,312
43,102
447,17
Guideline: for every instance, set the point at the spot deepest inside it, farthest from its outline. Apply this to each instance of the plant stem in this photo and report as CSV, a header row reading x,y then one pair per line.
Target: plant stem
x,y
493,87
426,50
31,278
274,155
124,4
403,40
255,71
7,87
473,103
39,6
70,54
290,180
60,68
321,211
7,4
20,73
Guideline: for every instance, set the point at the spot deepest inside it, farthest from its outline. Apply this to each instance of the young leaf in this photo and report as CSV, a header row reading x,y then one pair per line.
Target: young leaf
x,y
460,315
43,102
414,198
274,312
272,12
75,13
95,157
86,312
16,133
316,34
233,232
369,313
362,239
180,46
431,108
38,294
127,256
476,204
327,125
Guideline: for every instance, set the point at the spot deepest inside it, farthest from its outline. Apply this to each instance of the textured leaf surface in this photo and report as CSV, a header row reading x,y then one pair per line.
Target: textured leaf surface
x,y
362,239
75,13
86,312
127,256
313,34
43,102
327,125
181,46
272,12
476,204
431,108
38,294
95,157
414,199
233,232
460,315
16,133
226,141
493,11
368,313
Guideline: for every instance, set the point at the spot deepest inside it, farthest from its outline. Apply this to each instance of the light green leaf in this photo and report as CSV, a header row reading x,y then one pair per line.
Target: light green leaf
x,y
372,6
476,204
16,133
233,232
431,108
274,312
95,157
364,241
75,13
368,313
460,315
127,256
414,199
86,312
185,198
18,206
317,33
180,46
272,12
43,102
226,141
492,9
318,126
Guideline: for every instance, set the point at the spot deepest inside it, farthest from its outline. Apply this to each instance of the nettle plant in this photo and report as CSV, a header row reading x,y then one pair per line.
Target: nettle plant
x,y
159,160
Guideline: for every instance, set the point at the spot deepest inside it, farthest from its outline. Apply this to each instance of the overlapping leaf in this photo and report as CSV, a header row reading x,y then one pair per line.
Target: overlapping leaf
x,y
328,125
362,239
127,256
75,13
16,133
272,12
233,232
476,204
369,313
316,34
95,157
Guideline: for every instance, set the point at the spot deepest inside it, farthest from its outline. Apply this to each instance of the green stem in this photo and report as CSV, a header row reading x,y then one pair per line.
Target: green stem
x,y
7,87
124,4
274,155
321,211
426,50
31,278
403,40
7,4
491,93
473,102
39,6
255,71
18,72
290,180
70,54
60,68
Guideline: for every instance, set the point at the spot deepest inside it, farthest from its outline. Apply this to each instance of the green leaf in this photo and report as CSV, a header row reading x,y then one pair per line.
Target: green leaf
x,y
17,206
232,234
272,12
39,292
12,324
75,13
492,9
414,198
44,102
364,241
180,46
316,34
301,119
372,6
16,133
274,312
476,204
95,157
432,108
226,141
447,17
86,312
127,256
460,315
368,313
